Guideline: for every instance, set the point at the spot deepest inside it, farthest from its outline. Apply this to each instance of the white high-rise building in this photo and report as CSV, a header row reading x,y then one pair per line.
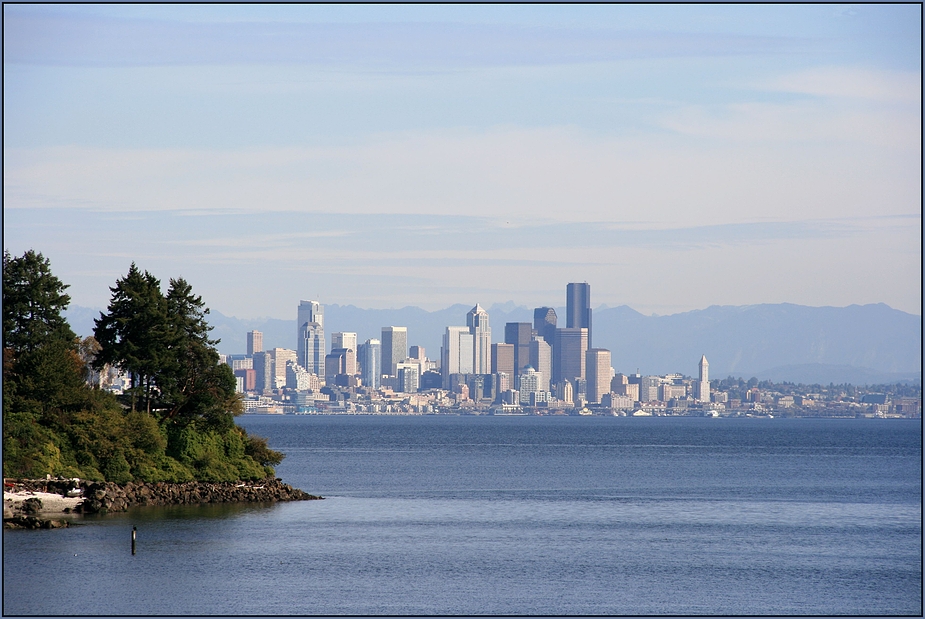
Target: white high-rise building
x,y
394,348
541,360
456,353
597,364
477,321
703,385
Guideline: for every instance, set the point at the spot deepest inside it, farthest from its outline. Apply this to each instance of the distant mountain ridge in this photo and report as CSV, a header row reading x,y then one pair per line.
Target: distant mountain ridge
x,y
861,344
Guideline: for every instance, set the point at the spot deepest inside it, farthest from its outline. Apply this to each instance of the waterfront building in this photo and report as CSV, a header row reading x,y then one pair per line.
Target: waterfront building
x,y
578,307
519,334
254,342
394,348
477,321
648,388
597,365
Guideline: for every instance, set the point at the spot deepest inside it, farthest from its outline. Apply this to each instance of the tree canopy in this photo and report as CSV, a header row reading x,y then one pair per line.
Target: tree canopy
x,y
56,422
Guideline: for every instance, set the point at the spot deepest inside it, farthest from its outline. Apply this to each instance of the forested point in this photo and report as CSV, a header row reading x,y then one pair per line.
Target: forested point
x,y
176,421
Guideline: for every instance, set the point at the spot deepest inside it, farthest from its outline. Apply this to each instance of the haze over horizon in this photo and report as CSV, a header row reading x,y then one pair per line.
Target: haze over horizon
x,y
673,156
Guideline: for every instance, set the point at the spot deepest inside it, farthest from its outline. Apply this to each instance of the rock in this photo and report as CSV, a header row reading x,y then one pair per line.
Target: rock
x,y
32,506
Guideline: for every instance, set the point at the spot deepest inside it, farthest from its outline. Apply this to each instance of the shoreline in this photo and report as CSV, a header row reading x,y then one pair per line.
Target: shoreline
x,y
47,503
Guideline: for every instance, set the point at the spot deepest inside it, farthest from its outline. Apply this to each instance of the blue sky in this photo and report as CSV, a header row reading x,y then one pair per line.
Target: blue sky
x,y
673,156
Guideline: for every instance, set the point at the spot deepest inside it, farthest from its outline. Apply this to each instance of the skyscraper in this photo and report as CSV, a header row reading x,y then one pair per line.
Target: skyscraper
x,y
568,358
477,321
263,365
541,361
310,313
703,385
254,342
578,307
370,362
544,323
311,348
502,359
456,353
394,348
519,334
347,341
597,367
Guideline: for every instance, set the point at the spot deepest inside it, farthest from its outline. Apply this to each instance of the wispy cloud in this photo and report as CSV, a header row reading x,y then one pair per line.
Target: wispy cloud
x,y
38,36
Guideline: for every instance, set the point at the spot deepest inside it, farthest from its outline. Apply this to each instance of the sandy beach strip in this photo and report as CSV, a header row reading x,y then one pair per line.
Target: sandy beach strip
x,y
51,502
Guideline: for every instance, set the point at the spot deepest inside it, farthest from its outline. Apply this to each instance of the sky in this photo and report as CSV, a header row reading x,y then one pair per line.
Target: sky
x,y
673,156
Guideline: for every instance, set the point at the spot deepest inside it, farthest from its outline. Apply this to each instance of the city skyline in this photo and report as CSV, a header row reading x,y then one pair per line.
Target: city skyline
x,y
679,156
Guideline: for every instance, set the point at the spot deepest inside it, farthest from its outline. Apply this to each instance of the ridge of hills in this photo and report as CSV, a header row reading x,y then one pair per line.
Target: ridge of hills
x,y
858,344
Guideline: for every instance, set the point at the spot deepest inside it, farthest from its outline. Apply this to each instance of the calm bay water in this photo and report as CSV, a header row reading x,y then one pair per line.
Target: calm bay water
x,y
519,515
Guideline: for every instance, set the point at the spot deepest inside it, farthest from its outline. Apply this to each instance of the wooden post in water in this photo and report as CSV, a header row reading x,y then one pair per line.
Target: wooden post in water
x,y
134,532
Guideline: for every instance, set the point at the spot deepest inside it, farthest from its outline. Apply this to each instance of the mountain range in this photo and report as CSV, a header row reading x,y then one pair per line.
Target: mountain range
x,y
858,344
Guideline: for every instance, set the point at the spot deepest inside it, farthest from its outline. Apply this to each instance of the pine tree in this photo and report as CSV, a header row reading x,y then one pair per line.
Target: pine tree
x,y
135,333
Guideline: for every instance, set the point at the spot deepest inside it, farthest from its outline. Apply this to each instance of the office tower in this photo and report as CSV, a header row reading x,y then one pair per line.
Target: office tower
x,y
311,348
254,342
394,348
648,388
309,311
519,334
370,363
568,354
263,366
544,323
541,361
279,357
248,379
456,354
703,385
597,365
336,363
416,352
502,359
240,362
578,307
409,377
530,383
477,321
347,341
310,323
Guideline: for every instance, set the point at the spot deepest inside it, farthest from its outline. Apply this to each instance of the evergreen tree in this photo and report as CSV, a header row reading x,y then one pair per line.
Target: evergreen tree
x,y
135,334
194,385
33,300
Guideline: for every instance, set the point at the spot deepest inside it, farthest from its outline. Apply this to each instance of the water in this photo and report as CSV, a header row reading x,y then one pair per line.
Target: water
x,y
519,515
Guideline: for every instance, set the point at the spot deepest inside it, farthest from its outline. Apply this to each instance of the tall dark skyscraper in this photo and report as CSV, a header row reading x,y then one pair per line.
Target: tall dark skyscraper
x,y
544,323
578,307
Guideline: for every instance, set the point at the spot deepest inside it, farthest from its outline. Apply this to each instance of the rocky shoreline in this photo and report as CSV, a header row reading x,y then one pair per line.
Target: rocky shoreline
x,y
32,504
